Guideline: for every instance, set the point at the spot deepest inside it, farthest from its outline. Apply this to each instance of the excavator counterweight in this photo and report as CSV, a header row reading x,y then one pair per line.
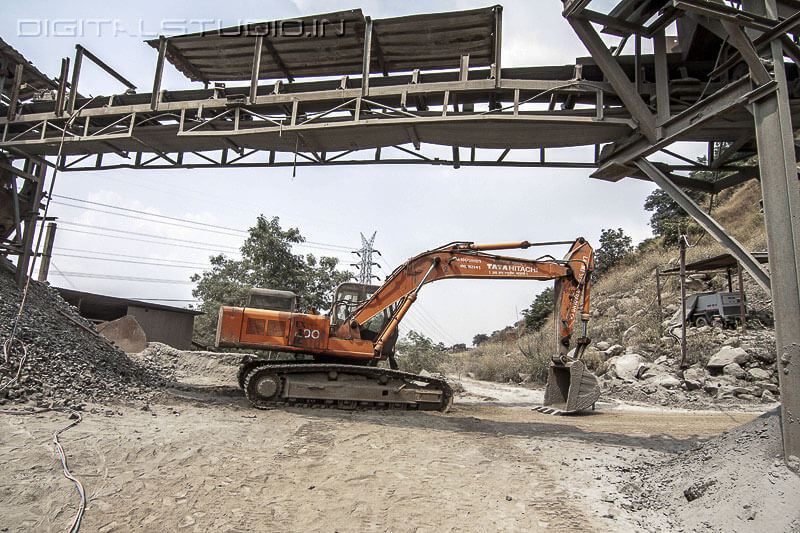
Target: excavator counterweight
x,y
332,360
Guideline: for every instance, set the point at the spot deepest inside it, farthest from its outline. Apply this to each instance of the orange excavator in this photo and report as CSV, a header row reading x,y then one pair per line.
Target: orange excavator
x,y
336,357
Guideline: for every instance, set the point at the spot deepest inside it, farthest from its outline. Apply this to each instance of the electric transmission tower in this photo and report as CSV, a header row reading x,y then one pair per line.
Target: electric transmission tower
x,y
364,267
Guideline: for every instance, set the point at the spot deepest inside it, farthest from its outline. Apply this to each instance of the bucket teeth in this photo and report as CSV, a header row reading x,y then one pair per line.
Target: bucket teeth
x,y
570,387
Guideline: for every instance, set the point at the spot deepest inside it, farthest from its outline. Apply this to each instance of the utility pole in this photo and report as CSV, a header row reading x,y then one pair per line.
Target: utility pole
x,y
364,267
682,243
49,238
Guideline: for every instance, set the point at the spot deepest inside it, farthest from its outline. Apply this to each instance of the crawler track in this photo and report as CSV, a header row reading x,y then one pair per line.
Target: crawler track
x,y
268,384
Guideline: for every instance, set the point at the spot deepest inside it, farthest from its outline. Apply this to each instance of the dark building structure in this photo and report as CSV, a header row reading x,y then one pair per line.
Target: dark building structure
x,y
161,323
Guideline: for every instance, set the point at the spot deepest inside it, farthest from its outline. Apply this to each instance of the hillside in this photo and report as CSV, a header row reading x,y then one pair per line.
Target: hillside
x,y
632,349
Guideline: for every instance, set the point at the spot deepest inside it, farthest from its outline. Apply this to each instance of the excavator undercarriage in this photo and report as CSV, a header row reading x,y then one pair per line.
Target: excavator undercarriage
x,y
268,384
335,357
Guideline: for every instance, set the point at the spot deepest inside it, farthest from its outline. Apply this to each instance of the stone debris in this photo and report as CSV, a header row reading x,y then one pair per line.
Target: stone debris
x,y
67,364
736,481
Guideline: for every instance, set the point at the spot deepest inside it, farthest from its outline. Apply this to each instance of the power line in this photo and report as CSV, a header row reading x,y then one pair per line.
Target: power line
x,y
129,210
215,250
171,224
310,244
59,273
128,232
117,255
122,278
185,265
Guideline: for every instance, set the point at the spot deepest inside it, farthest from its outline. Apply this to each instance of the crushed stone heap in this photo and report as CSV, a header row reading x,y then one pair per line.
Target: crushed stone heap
x,y
66,364
737,481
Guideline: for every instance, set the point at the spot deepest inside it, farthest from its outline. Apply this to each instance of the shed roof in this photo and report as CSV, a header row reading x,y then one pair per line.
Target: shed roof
x,y
100,303
32,78
718,262
332,44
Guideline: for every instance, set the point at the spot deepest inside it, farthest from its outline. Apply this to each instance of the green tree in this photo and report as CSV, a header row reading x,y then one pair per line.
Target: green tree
x,y
669,219
416,352
542,307
479,338
615,246
267,261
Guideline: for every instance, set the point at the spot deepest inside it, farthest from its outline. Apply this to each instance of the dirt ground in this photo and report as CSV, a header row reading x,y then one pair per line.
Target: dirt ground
x,y
201,459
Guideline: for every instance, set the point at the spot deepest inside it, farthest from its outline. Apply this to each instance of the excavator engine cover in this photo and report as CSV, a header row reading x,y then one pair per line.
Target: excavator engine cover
x,y
570,387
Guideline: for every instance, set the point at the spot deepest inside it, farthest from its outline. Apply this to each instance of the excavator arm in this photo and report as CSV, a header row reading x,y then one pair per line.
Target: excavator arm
x,y
468,260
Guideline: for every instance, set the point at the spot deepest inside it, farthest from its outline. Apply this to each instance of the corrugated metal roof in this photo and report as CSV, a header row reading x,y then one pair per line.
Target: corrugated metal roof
x,y
103,302
32,78
717,262
332,44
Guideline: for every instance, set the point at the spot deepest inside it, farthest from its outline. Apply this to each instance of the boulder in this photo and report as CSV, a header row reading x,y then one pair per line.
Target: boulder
x,y
611,312
694,377
668,382
767,397
614,350
734,370
759,374
727,355
602,346
625,366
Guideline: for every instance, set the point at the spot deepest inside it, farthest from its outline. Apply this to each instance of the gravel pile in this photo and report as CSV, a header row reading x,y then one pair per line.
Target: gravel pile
x,y
189,366
737,481
66,364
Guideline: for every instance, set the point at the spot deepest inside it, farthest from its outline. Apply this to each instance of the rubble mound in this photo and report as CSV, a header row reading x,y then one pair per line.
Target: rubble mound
x,y
726,368
189,366
68,362
737,481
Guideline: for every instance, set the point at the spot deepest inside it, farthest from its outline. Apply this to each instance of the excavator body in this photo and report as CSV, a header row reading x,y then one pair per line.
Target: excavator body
x,y
332,360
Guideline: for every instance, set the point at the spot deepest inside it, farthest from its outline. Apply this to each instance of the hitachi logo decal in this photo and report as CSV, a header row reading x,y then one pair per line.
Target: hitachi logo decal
x,y
494,268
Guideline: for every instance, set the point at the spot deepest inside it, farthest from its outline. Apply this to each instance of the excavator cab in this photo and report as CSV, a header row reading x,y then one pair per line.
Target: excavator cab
x,y
347,298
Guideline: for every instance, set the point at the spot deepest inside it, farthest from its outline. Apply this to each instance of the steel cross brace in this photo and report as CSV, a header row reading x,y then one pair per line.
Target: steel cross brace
x,y
707,222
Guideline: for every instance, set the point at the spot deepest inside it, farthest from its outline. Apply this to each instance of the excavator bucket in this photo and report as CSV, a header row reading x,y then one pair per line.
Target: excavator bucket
x,y
570,388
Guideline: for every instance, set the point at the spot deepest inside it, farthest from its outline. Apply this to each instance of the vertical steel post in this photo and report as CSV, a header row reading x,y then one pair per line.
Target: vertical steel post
x,y
367,58
47,253
683,300
498,42
742,308
779,189
256,73
76,75
12,104
162,50
658,297
31,218
662,76
62,87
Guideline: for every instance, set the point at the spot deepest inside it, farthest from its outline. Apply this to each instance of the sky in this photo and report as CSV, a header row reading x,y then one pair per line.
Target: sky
x,y
411,209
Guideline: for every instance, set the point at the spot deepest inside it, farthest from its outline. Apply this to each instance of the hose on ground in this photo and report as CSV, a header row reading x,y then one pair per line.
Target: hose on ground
x,y
76,523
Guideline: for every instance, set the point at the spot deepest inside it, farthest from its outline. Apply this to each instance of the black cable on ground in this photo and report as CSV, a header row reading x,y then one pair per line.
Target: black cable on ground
x,y
76,523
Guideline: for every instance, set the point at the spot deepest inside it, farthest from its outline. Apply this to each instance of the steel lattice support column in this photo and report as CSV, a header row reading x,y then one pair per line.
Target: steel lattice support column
x,y
781,194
